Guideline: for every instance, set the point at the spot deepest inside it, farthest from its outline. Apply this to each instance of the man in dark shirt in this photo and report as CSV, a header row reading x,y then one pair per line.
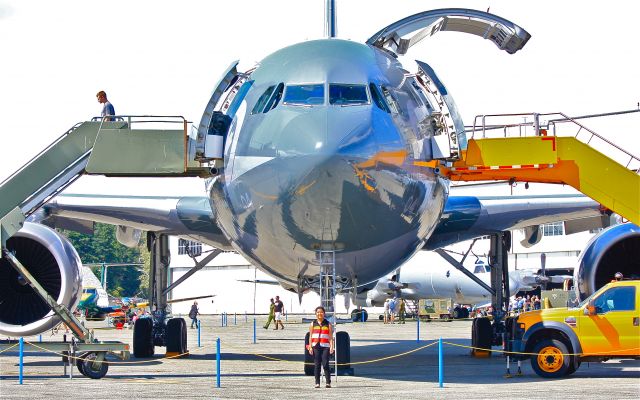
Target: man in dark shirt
x,y
279,309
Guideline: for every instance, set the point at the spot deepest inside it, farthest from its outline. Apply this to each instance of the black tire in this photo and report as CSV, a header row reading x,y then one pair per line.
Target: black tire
x,y
551,360
481,333
456,313
343,350
465,312
90,370
308,358
575,364
359,315
80,362
176,336
143,338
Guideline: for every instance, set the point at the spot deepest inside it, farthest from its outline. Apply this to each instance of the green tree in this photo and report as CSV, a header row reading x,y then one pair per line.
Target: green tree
x,y
102,247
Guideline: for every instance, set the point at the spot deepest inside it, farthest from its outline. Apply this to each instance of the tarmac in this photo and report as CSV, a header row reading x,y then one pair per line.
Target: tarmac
x,y
388,360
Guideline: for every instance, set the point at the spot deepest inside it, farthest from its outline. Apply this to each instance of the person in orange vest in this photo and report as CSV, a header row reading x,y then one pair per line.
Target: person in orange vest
x,y
321,345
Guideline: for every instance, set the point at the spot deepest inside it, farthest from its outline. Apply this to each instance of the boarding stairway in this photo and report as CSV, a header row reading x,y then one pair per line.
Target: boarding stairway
x,y
551,148
97,147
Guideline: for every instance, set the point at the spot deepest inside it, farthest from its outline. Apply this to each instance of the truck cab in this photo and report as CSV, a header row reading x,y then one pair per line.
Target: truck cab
x,y
606,325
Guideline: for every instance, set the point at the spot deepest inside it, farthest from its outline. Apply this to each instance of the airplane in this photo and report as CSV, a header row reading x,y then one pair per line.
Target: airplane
x,y
427,276
324,145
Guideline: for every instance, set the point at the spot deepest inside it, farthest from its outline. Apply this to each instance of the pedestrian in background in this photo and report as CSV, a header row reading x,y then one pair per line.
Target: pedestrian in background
x,y
272,314
193,314
279,312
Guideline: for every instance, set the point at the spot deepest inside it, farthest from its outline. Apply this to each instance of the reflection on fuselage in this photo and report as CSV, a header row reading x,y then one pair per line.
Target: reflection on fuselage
x,y
322,154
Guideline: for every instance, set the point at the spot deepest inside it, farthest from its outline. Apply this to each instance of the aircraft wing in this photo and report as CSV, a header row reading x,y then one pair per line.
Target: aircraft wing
x,y
468,217
188,217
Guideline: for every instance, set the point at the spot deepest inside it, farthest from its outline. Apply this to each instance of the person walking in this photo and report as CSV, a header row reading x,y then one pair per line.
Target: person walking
x,y
107,107
272,314
401,310
321,345
386,311
193,314
279,311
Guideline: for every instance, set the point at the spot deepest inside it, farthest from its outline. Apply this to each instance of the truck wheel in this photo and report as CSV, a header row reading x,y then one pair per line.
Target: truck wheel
x,y
143,338
551,359
574,365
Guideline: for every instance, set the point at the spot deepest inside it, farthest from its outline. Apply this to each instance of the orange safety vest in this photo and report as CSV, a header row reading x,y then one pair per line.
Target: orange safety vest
x,y
320,334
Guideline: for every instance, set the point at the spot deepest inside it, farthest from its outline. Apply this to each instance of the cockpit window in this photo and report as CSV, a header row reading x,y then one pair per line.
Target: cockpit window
x,y
377,98
304,95
275,99
263,100
343,94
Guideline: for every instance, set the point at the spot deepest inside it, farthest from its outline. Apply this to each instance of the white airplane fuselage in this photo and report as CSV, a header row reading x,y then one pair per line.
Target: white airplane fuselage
x,y
323,153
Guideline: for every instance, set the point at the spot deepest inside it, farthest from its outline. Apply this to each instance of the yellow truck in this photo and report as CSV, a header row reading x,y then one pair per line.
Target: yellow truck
x,y
606,325
435,309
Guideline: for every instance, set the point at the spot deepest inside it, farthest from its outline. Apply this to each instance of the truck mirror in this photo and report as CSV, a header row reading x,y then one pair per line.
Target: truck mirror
x,y
590,309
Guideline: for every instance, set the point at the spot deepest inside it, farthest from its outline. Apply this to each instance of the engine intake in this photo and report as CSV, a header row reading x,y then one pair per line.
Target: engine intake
x,y
615,249
54,263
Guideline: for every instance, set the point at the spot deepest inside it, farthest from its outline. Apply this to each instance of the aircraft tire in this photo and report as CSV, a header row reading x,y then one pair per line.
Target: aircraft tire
x,y
177,336
80,362
89,371
343,350
456,313
308,358
551,359
481,333
465,312
358,315
143,338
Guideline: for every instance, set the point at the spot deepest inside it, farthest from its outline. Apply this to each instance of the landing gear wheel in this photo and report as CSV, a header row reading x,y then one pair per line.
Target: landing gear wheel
x,y
481,334
91,369
551,360
308,358
177,336
457,313
359,315
143,338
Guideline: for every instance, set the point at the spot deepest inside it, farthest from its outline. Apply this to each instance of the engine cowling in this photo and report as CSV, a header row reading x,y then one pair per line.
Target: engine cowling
x,y
54,263
615,249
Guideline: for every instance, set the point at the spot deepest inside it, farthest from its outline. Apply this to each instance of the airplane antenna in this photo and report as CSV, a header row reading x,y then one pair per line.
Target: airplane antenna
x,y
330,18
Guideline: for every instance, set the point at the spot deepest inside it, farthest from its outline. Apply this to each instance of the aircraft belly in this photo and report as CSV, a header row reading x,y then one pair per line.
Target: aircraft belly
x,y
279,213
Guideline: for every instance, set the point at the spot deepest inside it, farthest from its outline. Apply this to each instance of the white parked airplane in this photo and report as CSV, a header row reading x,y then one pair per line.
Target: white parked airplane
x,y
325,148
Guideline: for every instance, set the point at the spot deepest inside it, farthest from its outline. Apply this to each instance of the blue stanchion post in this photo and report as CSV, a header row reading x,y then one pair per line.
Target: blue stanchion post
x,y
440,364
235,318
418,330
254,330
40,338
218,362
221,319
245,317
362,315
21,360
199,333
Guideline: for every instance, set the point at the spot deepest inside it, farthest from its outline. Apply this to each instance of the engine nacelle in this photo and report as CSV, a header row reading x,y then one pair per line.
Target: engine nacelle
x,y
54,263
615,249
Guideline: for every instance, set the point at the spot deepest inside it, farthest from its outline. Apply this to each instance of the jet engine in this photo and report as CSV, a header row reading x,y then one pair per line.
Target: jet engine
x,y
54,263
615,249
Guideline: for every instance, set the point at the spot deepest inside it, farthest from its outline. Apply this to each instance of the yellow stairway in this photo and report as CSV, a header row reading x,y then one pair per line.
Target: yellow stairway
x,y
551,159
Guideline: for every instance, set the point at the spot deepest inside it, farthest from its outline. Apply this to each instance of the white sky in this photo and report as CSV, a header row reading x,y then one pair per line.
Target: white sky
x,y
163,58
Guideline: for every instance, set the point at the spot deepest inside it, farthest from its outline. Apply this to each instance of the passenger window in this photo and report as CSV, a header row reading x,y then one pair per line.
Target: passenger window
x,y
616,299
263,100
275,99
377,98
304,95
341,94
